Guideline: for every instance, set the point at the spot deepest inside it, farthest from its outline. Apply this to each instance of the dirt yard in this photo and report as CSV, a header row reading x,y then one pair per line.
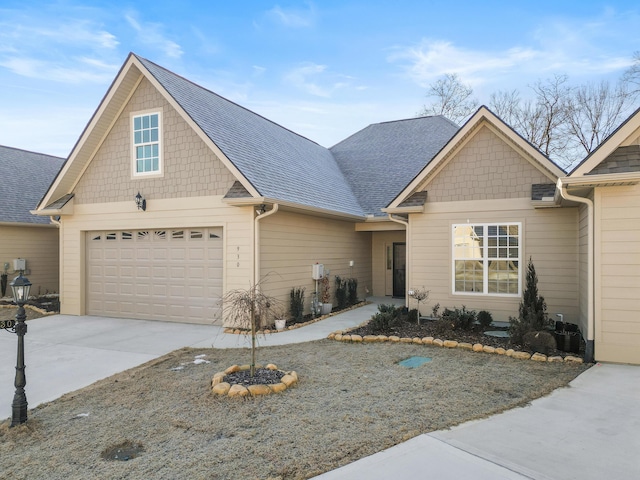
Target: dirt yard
x,y
352,400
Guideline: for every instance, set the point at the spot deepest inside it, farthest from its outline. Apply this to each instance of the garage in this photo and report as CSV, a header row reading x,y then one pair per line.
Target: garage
x,y
170,274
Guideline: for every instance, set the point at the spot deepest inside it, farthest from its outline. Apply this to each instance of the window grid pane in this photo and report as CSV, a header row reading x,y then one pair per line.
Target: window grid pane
x,y
146,140
496,274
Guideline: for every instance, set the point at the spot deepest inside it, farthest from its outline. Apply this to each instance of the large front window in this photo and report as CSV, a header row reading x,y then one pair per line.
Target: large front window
x,y
486,259
146,144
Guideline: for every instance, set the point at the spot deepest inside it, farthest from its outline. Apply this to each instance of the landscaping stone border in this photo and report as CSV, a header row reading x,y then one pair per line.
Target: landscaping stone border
x,y
344,336
242,331
220,387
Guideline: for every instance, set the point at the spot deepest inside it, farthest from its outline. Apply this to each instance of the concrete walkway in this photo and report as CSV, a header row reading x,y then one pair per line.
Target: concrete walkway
x,y
590,430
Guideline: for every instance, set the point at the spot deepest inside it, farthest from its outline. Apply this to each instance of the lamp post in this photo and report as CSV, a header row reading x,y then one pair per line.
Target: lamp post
x,y
20,287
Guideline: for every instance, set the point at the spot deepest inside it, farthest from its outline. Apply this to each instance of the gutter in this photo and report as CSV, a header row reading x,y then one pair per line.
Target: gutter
x,y
562,188
256,241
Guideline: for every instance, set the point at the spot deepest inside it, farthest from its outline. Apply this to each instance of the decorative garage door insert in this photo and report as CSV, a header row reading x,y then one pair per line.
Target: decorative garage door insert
x,y
172,275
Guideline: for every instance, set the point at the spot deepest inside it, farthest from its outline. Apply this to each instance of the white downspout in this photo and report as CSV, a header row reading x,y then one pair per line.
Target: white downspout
x,y
256,242
407,254
589,352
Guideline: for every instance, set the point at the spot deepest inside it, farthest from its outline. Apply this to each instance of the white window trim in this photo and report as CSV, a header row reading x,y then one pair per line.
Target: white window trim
x,y
160,171
485,259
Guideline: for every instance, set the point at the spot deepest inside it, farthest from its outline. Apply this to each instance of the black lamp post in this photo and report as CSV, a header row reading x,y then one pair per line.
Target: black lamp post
x,y
20,287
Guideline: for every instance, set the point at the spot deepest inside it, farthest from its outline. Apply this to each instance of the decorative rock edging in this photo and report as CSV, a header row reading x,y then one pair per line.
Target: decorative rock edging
x,y
41,311
241,331
220,387
344,336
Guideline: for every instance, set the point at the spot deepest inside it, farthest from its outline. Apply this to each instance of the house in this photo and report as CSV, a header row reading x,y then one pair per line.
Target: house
x,y
26,176
231,198
174,196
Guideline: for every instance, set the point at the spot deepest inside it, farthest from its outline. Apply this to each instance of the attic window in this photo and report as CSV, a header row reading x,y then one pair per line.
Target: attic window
x,y
146,136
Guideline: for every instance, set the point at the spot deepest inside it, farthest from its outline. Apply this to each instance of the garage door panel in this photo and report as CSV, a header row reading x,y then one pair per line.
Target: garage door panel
x,y
173,275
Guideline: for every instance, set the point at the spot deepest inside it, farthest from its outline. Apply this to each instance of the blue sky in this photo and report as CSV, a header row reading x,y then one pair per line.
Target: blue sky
x,y
324,69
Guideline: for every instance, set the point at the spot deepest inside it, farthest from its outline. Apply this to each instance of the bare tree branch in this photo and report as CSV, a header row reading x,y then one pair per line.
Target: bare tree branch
x,y
453,99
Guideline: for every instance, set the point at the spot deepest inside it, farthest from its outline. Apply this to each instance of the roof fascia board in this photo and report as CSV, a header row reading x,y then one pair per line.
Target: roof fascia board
x,y
243,202
196,128
607,147
401,210
604,179
28,225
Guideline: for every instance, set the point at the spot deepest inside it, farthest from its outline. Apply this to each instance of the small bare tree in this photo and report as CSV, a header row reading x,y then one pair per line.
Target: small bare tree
x,y
453,99
421,295
250,309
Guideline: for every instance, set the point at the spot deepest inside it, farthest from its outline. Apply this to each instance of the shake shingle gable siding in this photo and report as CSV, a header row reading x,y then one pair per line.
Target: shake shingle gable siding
x,y
26,176
380,160
280,164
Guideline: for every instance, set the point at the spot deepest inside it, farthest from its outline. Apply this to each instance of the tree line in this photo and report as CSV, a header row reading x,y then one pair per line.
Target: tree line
x,y
565,122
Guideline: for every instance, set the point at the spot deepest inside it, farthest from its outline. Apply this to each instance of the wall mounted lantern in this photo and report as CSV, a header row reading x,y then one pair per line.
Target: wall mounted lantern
x,y
141,203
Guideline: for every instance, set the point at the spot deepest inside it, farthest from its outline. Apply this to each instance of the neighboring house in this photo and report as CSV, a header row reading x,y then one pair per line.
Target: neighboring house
x,y
233,198
26,176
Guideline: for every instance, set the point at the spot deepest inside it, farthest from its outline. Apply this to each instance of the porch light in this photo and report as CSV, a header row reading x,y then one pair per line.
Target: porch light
x,y
141,203
20,287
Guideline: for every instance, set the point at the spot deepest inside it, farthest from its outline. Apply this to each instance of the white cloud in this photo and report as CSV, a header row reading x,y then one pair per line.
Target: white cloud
x,y
59,72
150,34
315,80
294,18
558,46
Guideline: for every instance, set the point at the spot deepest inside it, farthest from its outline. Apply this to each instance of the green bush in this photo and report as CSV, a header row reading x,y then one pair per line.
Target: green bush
x,y
460,319
532,313
413,315
296,304
341,293
352,291
387,317
484,318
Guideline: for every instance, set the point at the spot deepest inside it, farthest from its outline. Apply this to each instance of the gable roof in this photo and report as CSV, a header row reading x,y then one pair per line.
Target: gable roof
x,y
482,117
26,176
606,151
270,161
380,160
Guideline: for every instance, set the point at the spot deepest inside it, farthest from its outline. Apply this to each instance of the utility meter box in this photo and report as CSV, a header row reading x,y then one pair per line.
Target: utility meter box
x,y
19,264
318,271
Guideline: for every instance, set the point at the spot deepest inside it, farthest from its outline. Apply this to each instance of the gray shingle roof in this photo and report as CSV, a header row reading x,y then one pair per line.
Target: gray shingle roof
x,y
622,160
26,176
542,190
279,163
382,159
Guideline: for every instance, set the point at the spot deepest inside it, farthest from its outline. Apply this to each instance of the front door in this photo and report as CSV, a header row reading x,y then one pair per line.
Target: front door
x,y
399,269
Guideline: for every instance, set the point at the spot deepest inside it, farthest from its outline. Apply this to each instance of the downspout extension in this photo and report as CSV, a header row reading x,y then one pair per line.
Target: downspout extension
x,y
256,242
407,253
589,349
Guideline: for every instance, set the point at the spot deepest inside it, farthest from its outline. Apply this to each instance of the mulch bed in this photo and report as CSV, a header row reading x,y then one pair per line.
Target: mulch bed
x,y
444,331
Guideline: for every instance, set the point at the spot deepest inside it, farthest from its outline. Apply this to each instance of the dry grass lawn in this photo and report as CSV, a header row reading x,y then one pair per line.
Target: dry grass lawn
x,y
352,400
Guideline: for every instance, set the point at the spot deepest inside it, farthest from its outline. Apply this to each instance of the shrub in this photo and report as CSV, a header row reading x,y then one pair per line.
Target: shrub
x,y
296,304
412,316
387,317
484,318
435,311
352,291
341,293
532,313
460,319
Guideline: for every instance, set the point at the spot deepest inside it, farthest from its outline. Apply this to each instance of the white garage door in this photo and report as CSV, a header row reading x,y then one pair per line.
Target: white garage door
x,y
172,275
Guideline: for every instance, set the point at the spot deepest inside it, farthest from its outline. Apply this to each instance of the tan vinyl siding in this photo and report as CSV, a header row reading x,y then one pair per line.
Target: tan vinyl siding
x,y
39,246
485,168
291,243
548,236
190,167
190,212
617,272
383,277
